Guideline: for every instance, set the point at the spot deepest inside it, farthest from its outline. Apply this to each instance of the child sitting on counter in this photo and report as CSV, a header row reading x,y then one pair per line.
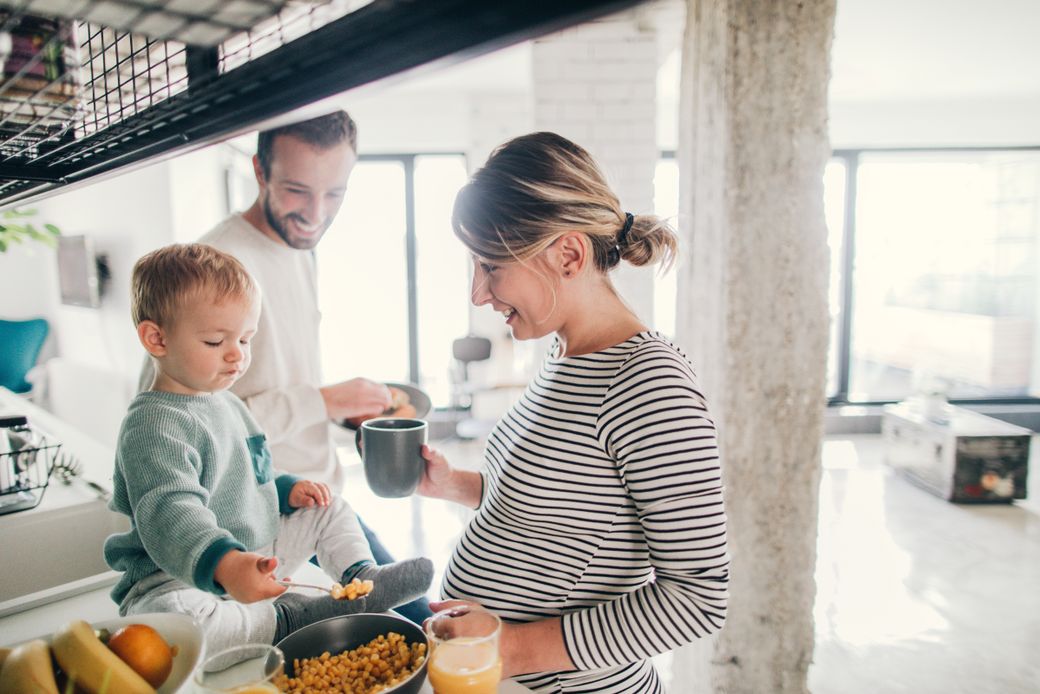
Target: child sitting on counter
x,y
213,525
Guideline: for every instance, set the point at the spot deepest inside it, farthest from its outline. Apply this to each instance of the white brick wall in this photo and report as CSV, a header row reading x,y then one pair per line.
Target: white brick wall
x,y
596,84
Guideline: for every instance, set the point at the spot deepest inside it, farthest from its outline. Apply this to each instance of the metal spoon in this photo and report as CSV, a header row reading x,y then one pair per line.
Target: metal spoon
x,y
289,584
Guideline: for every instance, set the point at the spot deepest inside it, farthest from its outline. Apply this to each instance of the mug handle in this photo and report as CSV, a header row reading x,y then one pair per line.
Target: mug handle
x,y
357,442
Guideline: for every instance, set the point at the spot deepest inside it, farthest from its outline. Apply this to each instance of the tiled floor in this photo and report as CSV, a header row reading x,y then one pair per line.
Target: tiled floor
x,y
914,594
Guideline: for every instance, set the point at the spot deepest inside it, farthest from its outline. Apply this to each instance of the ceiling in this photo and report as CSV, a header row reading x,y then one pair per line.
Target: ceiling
x,y
899,50
377,41
883,50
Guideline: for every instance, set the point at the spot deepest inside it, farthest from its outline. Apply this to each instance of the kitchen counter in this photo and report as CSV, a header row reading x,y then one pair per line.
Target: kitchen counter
x,y
45,612
88,600
60,541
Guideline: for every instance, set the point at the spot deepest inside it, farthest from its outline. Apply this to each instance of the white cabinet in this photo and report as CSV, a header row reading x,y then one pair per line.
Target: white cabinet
x,y
61,540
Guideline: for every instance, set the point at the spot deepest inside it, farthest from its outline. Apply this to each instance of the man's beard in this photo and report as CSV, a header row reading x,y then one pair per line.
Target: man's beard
x,y
281,228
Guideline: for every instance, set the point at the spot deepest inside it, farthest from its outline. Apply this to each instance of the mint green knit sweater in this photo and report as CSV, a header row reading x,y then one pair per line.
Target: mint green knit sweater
x,y
194,475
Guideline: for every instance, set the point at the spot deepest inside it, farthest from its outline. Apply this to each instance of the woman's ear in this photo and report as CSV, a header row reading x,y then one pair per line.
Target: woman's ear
x,y
574,253
152,338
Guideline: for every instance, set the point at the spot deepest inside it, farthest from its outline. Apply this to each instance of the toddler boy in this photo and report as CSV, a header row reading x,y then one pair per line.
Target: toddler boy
x,y
213,525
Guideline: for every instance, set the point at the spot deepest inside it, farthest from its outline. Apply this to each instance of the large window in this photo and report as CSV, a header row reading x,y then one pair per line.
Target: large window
x,y
934,266
393,235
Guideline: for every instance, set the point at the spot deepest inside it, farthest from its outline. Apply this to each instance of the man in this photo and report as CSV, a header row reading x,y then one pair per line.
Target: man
x,y
302,171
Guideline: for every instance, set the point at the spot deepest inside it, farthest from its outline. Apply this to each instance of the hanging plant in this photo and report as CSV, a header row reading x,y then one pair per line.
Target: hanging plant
x,y
12,232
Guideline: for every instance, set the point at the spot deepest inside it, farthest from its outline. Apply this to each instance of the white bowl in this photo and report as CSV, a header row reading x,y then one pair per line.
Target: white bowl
x,y
177,630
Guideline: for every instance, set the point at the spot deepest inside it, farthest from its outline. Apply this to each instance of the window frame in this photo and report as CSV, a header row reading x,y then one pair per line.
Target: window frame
x,y
851,157
407,161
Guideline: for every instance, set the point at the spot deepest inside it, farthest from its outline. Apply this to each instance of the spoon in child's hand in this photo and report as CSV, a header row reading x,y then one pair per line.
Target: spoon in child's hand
x,y
290,584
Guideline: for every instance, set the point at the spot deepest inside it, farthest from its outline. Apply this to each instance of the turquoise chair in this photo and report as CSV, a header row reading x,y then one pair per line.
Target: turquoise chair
x,y
20,344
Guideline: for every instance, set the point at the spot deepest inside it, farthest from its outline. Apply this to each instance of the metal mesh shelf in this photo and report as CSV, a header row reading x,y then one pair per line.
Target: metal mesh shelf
x,y
109,97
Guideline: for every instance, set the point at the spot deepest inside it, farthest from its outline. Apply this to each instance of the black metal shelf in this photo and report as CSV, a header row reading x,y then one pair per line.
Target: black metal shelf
x,y
381,39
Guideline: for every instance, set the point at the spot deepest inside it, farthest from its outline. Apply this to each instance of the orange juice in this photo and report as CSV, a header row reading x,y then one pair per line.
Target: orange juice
x,y
465,666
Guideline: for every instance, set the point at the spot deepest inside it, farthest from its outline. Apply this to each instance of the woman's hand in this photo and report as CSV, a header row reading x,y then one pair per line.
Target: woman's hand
x,y
436,475
529,647
442,481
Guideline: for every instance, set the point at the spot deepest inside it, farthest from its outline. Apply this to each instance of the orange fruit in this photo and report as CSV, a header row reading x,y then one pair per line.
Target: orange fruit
x,y
143,649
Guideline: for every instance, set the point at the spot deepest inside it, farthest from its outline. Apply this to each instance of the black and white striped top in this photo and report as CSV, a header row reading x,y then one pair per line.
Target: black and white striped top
x,y
603,504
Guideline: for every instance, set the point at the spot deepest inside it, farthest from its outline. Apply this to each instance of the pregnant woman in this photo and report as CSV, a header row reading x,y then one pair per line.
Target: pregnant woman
x,y
600,536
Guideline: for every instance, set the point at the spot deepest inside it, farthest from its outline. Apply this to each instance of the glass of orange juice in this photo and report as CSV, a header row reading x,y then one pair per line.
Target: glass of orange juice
x,y
254,668
464,655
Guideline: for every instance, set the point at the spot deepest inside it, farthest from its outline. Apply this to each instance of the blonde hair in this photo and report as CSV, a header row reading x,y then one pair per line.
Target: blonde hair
x,y
537,187
165,279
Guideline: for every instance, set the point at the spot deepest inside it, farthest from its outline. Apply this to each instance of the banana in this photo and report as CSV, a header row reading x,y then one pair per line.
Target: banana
x,y
90,664
28,670
4,652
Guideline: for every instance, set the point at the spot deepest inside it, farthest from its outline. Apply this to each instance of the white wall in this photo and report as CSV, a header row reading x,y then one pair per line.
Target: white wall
x,y
98,356
596,84
991,122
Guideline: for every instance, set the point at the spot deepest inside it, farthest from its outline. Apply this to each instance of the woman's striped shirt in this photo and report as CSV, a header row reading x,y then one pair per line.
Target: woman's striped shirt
x,y
603,504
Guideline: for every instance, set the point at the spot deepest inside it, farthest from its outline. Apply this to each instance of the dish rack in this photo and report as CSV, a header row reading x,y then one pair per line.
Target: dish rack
x,y
27,457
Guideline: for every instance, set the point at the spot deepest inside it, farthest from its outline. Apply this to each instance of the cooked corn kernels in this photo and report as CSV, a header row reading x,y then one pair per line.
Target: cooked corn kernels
x,y
352,590
383,662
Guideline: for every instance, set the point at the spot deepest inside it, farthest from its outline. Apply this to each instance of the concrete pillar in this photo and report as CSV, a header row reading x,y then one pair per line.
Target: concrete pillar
x,y
595,84
752,310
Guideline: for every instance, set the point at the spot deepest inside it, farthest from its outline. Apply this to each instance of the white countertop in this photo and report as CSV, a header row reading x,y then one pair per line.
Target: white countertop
x,y
88,600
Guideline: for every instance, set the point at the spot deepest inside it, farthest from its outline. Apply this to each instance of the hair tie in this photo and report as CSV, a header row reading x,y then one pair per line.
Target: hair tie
x,y
629,219
614,257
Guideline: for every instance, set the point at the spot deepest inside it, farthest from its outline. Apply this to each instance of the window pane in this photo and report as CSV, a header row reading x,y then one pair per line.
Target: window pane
x,y
944,273
834,177
666,206
362,281
442,270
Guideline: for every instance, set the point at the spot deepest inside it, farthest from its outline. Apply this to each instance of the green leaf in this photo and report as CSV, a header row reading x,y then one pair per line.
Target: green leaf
x,y
12,233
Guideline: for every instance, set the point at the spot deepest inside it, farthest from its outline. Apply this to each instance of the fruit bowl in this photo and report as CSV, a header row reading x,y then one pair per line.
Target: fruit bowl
x,y
177,630
345,633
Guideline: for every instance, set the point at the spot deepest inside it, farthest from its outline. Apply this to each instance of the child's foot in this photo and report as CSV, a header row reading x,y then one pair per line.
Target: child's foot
x,y
394,584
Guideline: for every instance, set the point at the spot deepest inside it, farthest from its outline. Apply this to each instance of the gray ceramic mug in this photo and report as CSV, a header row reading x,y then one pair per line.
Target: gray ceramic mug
x,y
391,451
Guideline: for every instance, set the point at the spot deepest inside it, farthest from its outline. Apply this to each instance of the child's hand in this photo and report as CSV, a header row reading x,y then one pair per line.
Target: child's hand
x,y
247,576
308,493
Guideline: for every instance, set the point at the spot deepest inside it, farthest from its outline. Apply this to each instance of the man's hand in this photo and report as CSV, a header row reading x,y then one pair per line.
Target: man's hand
x,y
358,397
308,493
247,576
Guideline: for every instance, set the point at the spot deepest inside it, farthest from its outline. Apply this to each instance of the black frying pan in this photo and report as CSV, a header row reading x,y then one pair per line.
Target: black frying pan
x,y
347,633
